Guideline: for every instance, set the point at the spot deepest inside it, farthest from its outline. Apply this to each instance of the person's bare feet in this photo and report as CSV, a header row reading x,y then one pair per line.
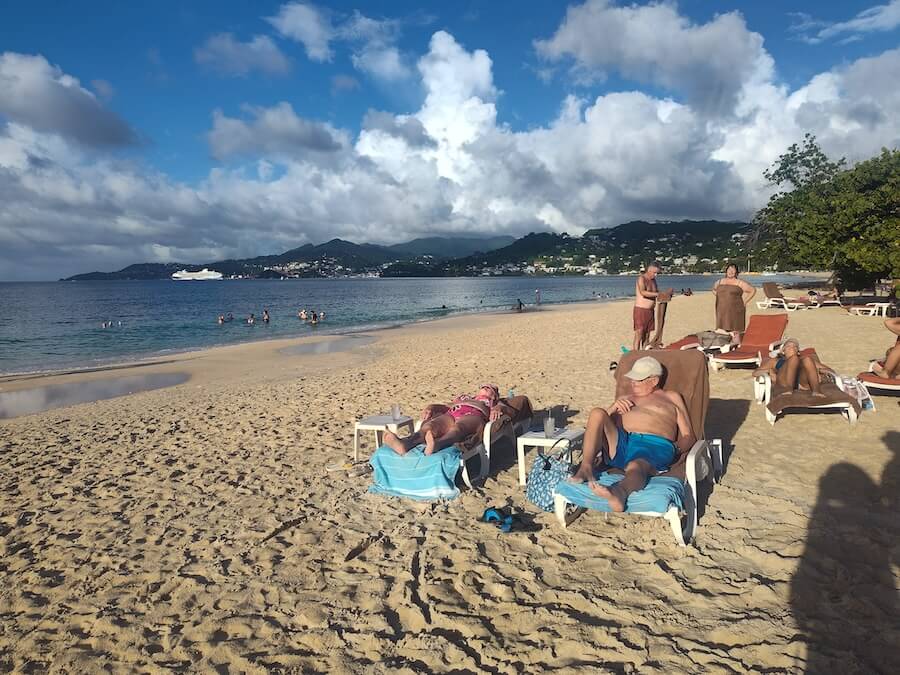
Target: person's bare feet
x,y
582,475
818,394
612,494
394,443
429,442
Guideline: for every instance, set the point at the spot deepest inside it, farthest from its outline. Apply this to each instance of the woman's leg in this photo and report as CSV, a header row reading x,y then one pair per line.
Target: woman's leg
x,y
809,376
454,431
891,363
788,373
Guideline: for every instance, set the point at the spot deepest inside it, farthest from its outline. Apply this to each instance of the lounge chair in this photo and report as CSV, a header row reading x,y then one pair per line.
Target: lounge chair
x,y
764,333
510,427
777,401
429,477
877,384
775,300
671,495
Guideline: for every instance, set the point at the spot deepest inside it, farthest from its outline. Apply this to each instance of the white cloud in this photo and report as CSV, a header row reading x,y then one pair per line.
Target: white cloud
x,y
372,41
308,25
276,131
40,95
231,57
448,166
104,89
654,44
878,19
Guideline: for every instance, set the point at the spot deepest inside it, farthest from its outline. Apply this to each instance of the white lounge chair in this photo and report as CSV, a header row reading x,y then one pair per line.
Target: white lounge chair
x,y
704,461
762,390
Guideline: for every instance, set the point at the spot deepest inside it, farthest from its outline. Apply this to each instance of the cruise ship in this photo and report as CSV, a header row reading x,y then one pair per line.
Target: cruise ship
x,y
202,275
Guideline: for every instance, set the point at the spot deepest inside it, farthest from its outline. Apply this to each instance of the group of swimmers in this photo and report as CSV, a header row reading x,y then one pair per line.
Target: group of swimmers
x,y
109,324
312,316
250,320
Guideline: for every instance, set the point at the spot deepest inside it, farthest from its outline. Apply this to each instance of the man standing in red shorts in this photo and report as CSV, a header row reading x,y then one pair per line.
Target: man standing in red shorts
x,y
646,294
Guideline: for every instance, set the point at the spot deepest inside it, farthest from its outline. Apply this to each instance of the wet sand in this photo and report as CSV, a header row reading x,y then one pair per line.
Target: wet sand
x,y
195,527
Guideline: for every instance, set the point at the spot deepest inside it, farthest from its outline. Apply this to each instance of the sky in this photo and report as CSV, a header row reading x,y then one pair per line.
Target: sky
x,y
192,132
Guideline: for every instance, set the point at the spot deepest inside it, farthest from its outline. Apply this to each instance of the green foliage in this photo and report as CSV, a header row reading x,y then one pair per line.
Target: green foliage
x,y
846,220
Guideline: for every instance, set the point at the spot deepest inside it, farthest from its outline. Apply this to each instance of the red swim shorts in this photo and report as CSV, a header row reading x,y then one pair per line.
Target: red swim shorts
x,y
643,319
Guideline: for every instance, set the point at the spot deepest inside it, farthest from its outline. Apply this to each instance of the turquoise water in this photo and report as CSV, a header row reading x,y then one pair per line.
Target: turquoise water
x,y
57,325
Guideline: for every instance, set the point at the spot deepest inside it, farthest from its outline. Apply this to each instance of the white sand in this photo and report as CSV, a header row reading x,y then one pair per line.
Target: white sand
x,y
196,527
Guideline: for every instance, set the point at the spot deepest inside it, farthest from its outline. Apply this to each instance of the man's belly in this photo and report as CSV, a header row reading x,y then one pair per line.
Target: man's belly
x,y
653,421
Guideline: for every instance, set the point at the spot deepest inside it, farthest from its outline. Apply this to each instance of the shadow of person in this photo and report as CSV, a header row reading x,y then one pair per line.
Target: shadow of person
x,y
843,594
723,419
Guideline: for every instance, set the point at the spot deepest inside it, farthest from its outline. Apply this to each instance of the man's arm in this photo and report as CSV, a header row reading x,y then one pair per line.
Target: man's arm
x,y
686,438
642,289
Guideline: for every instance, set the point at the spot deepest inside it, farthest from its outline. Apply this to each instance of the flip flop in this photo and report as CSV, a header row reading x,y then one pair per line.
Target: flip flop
x,y
341,466
493,515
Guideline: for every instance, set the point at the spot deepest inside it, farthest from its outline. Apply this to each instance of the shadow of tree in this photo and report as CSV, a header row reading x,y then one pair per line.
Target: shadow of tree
x,y
843,594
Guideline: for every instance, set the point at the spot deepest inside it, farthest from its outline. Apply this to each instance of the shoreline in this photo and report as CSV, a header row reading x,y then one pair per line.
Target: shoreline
x,y
169,356
229,338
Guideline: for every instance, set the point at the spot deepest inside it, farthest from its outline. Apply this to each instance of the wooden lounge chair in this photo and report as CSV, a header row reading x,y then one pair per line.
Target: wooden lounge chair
x,y
778,402
685,372
764,333
775,300
510,427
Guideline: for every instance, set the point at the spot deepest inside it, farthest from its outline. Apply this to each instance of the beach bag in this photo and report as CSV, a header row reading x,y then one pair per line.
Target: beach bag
x,y
547,471
857,389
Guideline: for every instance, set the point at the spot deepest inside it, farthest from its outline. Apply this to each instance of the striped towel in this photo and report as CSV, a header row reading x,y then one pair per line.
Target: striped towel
x,y
661,493
414,474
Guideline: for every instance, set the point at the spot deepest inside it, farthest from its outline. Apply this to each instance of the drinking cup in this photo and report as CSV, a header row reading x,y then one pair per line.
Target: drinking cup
x,y
549,427
395,411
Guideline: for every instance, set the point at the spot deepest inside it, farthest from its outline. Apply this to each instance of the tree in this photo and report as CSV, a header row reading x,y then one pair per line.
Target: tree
x,y
845,220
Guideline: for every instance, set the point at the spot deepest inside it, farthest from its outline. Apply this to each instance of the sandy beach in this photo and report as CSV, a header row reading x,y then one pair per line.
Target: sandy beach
x,y
196,528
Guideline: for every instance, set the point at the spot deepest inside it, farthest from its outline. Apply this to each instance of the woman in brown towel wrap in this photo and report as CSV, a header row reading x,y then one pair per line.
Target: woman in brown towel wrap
x,y
732,297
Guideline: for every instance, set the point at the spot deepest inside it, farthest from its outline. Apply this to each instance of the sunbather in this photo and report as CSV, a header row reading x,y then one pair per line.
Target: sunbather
x,y
642,433
444,425
891,367
792,371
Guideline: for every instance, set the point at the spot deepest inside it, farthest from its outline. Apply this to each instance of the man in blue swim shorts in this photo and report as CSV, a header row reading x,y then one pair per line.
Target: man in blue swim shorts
x,y
642,434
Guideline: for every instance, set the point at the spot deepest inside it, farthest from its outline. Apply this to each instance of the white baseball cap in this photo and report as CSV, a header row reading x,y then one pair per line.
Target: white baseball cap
x,y
645,367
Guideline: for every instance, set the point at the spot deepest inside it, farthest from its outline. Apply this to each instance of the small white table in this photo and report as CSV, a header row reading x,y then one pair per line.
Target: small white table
x,y
379,424
536,439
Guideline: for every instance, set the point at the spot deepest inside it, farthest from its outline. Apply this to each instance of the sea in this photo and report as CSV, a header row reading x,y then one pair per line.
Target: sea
x,y
59,326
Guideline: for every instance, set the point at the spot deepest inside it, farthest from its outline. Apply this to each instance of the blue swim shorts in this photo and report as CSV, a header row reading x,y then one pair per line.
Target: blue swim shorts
x,y
659,451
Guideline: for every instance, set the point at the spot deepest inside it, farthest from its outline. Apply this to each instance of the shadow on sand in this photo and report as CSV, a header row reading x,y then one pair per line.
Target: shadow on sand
x,y
843,594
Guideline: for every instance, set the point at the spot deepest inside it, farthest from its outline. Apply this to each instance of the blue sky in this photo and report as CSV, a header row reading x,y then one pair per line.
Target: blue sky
x,y
178,131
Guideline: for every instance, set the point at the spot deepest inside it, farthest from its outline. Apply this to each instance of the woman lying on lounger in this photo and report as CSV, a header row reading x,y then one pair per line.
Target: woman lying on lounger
x,y
891,367
445,425
792,371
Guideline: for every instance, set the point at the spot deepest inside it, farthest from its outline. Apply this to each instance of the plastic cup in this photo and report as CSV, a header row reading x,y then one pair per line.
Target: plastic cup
x,y
549,427
395,411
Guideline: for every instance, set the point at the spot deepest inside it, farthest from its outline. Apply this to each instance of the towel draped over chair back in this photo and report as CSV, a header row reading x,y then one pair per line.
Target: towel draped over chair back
x,y
770,288
683,371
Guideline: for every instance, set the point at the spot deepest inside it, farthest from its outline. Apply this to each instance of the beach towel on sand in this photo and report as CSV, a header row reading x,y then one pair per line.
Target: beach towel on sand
x,y
415,474
660,493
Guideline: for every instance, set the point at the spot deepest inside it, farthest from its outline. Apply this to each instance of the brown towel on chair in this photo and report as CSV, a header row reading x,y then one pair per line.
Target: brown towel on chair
x,y
783,398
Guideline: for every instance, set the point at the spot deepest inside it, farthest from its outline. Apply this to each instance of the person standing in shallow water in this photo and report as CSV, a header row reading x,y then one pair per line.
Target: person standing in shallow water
x,y
265,315
732,297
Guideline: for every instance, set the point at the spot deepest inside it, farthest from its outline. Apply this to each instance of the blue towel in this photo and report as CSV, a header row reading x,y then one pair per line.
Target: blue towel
x,y
661,493
414,474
